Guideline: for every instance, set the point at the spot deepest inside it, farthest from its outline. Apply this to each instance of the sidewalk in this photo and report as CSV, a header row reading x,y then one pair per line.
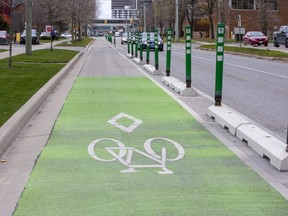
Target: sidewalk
x,y
123,146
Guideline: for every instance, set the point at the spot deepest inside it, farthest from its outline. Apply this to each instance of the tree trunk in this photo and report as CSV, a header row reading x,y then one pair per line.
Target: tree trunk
x,y
211,27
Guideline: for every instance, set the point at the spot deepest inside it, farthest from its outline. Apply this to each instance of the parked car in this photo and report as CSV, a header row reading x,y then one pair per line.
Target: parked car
x,y
34,36
152,41
45,35
66,35
101,34
4,40
281,37
255,38
124,38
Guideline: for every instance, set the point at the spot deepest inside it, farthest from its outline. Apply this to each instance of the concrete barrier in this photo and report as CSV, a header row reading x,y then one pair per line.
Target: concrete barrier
x,y
226,118
265,145
151,69
259,140
179,86
138,61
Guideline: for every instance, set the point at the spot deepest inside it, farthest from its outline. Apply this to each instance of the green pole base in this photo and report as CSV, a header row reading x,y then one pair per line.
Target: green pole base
x,y
218,100
167,72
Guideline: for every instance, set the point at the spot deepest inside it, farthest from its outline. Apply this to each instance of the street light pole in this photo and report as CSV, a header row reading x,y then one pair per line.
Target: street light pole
x,y
177,21
28,17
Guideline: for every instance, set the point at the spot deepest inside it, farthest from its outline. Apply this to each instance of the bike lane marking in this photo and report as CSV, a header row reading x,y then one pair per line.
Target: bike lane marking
x,y
207,180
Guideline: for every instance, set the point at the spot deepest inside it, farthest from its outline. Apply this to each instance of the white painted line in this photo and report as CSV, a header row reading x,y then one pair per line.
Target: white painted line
x,y
239,66
128,129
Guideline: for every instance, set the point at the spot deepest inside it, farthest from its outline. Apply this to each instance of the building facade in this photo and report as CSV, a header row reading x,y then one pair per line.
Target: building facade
x,y
121,4
256,15
124,9
17,7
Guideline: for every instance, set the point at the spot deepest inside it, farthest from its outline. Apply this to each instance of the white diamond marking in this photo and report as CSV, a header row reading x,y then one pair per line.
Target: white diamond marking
x,y
129,129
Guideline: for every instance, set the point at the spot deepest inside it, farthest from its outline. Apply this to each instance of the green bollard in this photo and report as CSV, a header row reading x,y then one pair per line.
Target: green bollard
x,y
141,46
188,56
156,54
132,44
128,42
219,63
168,53
137,43
148,48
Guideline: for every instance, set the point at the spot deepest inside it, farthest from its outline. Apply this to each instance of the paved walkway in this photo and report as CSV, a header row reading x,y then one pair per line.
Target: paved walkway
x,y
123,146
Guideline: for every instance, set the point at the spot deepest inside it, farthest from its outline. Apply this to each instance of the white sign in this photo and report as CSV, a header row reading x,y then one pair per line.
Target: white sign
x,y
237,30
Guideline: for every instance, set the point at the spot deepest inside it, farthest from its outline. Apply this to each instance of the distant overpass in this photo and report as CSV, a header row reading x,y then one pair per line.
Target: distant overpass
x,y
109,24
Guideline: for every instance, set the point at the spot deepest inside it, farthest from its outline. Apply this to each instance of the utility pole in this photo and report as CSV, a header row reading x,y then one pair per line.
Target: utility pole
x,y
177,21
155,14
144,28
28,17
133,10
221,11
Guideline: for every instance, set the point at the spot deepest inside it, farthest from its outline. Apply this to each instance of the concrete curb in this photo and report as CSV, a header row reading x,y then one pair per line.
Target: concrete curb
x,y
15,124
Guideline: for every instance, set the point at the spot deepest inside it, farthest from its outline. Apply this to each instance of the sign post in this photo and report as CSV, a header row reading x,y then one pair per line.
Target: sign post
x,y
148,48
188,56
219,63
156,50
239,26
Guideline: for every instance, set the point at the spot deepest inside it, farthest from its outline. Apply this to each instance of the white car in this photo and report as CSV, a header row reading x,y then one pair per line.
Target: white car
x,y
66,35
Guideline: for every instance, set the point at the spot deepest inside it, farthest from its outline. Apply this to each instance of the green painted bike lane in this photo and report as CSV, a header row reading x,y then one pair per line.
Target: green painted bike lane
x,y
155,160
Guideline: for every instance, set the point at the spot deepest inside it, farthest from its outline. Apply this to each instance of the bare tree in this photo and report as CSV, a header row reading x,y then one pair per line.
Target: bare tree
x,y
209,7
190,11
264,7
165,14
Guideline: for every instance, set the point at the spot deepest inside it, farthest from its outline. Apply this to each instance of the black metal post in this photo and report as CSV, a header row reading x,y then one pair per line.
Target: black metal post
x,y
287,141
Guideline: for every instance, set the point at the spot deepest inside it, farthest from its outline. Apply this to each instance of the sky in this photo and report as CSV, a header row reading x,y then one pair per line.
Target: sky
x,y
104,11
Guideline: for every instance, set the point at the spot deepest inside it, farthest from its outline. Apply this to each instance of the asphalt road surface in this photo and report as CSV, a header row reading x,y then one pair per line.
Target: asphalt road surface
x,y
256,88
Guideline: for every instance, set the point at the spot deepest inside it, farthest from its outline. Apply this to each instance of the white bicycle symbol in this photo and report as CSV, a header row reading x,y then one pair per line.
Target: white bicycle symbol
x,y
123,151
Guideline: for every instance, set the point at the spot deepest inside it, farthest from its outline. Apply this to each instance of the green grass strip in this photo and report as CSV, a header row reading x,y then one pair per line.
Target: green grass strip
x,y
208,180
46,56
251,51
19,83
82,43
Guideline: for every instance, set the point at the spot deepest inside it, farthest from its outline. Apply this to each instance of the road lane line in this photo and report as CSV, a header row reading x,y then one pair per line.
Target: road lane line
x,y
239,66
